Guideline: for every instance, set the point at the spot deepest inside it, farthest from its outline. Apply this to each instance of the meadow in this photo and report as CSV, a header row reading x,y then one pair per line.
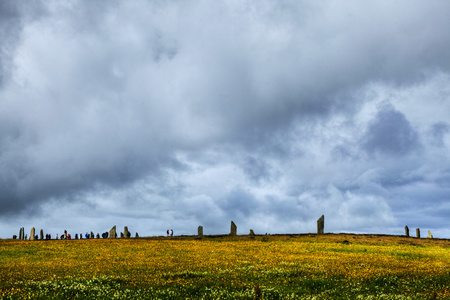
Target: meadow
x,y
330,266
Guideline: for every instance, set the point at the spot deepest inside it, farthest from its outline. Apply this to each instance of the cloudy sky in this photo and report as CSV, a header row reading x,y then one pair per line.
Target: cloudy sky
x,y
175,114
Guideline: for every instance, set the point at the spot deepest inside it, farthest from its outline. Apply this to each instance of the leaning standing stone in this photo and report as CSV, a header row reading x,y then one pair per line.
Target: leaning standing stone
x,y
321,224
233,229
430,236
252,234
112,232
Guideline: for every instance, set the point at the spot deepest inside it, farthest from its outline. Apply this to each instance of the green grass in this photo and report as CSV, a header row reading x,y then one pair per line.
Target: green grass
x,y
267,267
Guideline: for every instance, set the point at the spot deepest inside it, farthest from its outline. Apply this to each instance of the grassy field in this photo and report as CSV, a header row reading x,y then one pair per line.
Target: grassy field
x,y
331,266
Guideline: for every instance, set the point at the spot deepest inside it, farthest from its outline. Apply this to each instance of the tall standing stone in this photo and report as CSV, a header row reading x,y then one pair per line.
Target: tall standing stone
x,y
430,236
418,233
407,231
320,224
200,232
112,232
126,233
252,234
21,233
32,234
41,236
233,230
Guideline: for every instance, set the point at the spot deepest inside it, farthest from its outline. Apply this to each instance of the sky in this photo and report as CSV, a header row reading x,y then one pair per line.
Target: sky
x,y
175,114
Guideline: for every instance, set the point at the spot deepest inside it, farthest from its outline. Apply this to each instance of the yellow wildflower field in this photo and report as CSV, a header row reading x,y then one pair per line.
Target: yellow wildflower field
x,y
331,266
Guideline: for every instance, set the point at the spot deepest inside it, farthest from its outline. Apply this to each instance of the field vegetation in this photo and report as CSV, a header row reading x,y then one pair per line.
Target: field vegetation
x,y
330,266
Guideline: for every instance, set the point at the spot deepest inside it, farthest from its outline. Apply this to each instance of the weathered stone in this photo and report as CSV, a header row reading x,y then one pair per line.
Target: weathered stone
x,y
112,232
430,236
121,234
320,224
32,234
200,231
407,231
233,229
126,233
418,233
41,237
252,234
22,234
137,235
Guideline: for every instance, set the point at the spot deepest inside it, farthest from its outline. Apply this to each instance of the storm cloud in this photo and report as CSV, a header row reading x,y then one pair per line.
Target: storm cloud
x,y
161,115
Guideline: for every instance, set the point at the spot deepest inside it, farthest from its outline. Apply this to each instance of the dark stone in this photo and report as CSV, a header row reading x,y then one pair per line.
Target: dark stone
x,y
121,234
233,229
418,232
41,234
126,233
407,231
321,224
137,235
200,231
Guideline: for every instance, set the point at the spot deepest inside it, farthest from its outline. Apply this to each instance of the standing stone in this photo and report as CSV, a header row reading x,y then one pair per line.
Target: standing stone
x,y
121,234
92,235
112,233
32,234
320,224
233,230
406,231
418,233
41,237
137,235
252,234
430,236
200,231
21,233
126,233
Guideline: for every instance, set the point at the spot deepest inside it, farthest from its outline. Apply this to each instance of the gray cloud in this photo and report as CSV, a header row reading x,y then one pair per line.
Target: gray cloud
x,y
437,133
390,133
185,113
